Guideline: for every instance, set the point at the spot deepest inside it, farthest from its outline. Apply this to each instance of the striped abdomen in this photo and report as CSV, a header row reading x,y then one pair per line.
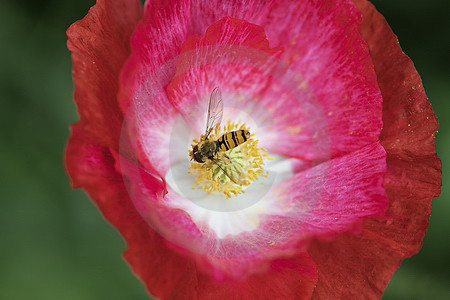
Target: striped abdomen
x,y
232,139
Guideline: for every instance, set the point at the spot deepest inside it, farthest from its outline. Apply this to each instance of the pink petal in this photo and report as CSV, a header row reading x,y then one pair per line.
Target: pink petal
x,y
324,47
150,117
156,41
233,55
204,13
330,63
152,127
144,83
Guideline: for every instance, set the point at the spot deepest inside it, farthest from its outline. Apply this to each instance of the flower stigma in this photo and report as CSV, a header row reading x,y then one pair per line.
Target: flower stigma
x,y
231,170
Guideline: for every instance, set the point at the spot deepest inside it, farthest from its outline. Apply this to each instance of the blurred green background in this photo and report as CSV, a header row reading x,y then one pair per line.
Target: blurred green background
x,y
55,244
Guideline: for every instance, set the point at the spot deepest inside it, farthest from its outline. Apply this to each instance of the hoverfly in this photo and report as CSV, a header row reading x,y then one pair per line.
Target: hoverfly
x,y
208,148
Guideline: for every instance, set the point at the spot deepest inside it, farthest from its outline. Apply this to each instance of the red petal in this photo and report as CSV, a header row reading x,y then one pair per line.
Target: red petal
x,y
92,167
412,180
100,44
409,120
411,183
165,273
293,278
321,202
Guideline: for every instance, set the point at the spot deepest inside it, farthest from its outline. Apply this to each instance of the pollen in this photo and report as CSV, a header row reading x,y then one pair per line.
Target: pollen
x,y
230,171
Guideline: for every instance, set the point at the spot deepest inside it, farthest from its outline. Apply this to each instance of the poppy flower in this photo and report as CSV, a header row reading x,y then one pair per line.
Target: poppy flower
x,y
325,166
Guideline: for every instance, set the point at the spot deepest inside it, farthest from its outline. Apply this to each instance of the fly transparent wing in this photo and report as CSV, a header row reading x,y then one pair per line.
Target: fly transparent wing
x,y
216,162
215,111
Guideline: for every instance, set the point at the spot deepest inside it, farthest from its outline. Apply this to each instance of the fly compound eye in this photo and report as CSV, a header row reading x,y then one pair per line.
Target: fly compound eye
x,y
196,155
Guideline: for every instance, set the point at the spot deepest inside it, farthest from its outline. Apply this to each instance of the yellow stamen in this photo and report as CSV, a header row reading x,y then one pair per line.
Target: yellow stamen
x,y
233,169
